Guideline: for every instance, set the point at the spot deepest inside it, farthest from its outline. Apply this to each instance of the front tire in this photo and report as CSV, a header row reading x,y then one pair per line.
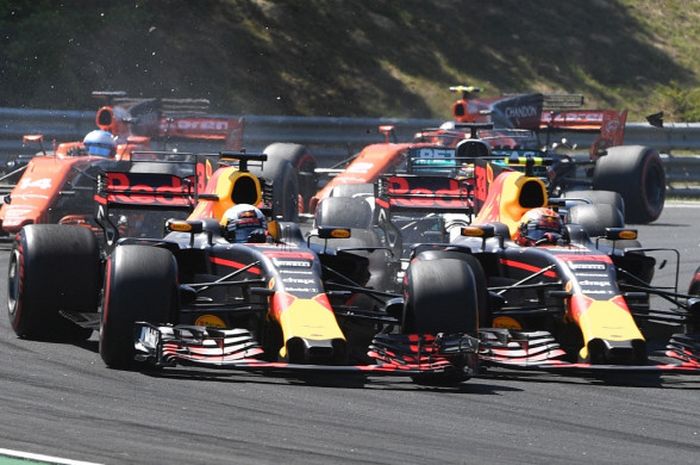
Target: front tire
x,y
694,288
442,296
140,285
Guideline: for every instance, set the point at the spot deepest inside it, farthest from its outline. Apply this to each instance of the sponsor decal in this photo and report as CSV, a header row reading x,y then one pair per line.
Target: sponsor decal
x,y
144,189
287,254
297,272
611,127
423,192
432,152
28,183
574,117
594,283
568,249
361,167
17,212
301,289
597,292
298,280
525,111
291,263
506,322
587,266
210,321
194,124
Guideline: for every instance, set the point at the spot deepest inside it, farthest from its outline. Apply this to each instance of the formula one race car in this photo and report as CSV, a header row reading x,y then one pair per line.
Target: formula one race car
x,y
57,185
202,296
514,127
552,297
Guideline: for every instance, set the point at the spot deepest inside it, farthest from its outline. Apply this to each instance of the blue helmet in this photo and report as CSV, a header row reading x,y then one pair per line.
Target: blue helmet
x,y
100,143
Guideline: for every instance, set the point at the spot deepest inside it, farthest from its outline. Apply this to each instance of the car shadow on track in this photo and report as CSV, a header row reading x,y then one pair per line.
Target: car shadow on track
x,y
478,385
662,225
625,380
473,387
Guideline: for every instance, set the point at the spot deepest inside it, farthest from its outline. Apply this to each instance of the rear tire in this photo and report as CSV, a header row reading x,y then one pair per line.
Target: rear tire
x,y
52,268
344,212
141,285
291,169
636,172
597,197
594,218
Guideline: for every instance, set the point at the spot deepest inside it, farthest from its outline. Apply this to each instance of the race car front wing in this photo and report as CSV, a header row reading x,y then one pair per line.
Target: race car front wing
x,y
538,350
237,349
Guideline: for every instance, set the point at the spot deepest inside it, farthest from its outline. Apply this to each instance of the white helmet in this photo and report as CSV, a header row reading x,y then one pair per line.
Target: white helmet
x,y
244,223
100,143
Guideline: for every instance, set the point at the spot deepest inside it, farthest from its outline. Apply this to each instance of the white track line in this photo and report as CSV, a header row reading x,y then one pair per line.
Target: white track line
x,y
42,458
676,204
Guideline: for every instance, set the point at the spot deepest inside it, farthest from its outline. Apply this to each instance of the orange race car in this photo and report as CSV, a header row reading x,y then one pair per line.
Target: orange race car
x,y
513,127
57,186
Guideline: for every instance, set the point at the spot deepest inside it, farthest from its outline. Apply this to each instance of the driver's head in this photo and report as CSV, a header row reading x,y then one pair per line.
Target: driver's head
x,y
539,226
100,143
244,223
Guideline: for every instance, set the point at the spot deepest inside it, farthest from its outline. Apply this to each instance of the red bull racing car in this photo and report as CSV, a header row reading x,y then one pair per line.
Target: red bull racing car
x,y
577,297
553,297
199,297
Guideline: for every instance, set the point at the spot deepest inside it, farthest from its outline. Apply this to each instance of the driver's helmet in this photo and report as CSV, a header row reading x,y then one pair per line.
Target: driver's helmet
x,y
244,223
100,143
539,226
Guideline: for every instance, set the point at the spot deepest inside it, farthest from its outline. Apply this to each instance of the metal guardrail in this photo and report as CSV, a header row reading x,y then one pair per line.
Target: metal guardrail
x,y
682,175
333,139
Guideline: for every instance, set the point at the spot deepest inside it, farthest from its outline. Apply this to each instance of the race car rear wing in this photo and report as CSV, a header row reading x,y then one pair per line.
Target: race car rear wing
x,y
545,113
145,190
167,118
156,179
439,194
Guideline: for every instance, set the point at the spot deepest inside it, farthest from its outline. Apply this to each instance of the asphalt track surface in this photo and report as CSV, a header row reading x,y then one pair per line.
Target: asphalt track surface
x,y
60,400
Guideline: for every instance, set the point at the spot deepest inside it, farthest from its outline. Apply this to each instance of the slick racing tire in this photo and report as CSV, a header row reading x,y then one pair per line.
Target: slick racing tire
x,y
290,167
481,290
344,212
636,172
597,197
694,288
52,268
442,296
141,285
693,317
594,218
